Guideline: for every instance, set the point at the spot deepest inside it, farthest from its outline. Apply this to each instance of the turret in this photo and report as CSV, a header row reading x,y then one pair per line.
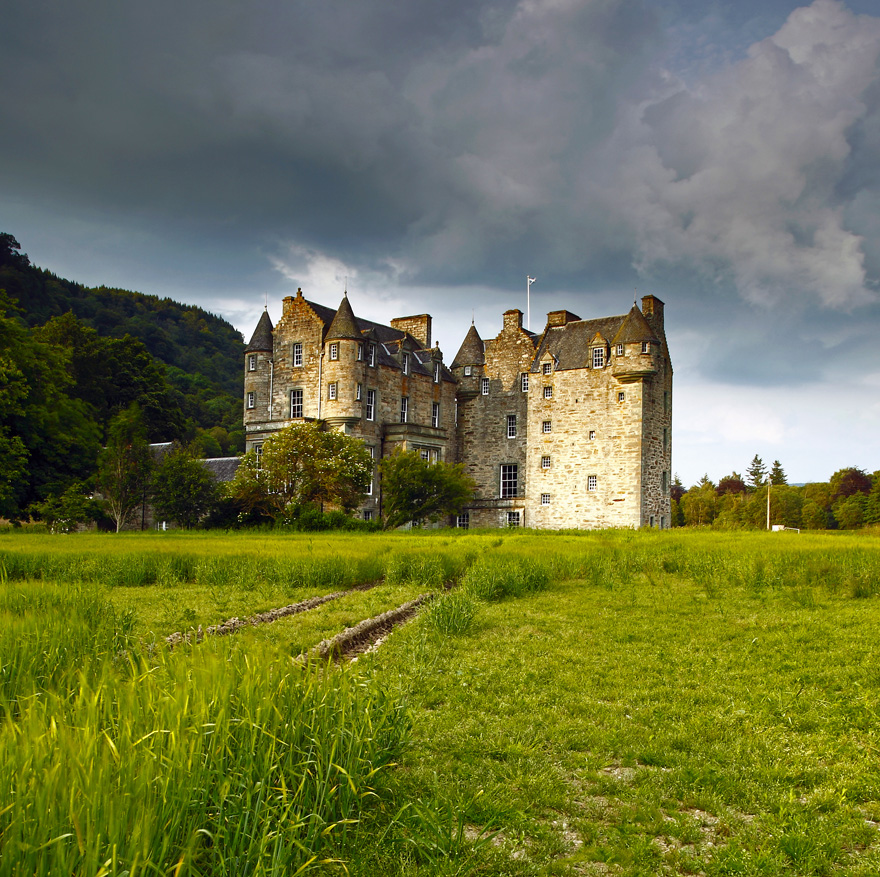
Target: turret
x,y
258,371
343,367
469,361
635,348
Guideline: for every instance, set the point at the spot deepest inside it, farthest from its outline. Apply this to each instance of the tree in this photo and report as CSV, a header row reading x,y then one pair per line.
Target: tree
x,y
732,483
303,465
415,490
848,482
125,466
699,504
63,512
777,474
756,472
184,491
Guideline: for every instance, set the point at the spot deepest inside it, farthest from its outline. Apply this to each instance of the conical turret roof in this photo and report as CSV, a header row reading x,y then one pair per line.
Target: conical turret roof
x,y
344,324
262,337
472,350
635,328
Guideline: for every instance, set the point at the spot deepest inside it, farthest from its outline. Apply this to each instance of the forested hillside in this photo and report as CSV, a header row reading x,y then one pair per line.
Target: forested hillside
x,y
72,358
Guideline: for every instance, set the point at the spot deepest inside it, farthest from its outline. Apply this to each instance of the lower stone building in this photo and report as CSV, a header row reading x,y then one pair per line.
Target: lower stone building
x,y
567,428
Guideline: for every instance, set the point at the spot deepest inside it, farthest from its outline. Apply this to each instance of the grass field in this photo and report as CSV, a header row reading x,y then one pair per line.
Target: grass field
x,y
597,703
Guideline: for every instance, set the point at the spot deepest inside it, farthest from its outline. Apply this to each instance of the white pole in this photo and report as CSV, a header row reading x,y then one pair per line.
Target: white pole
x,y
768,503
529,282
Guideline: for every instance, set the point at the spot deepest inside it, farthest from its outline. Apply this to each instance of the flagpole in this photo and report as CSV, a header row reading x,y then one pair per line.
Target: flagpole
x,y
529,281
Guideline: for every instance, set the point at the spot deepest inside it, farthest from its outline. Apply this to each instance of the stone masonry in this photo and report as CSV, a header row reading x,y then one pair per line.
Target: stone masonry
x,y
569,428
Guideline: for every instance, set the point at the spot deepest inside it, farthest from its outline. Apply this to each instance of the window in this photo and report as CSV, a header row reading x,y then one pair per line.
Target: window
x,y
548,368
372,359
484,386
662,522
436,372
511,426
405,362
334,351
463,521
404,408
646,348
524,382
296,403
331,390
598,357
360,353
372,451
513,519
467,371
251,400
545,461
651,521
509,481
592,434
619,350
435,415
258,449
548,392
545,499
371,404
368,514
297,354
370,488
621,396
358,392
592,481
252,363
547,426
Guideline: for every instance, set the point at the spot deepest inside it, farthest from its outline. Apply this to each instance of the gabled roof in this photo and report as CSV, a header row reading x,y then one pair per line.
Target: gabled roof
x,y
472,350
222,468
262,337
635,328
570,344
344,323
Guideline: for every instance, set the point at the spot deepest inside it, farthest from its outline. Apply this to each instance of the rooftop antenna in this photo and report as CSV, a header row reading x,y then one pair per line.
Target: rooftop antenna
x,y
529,282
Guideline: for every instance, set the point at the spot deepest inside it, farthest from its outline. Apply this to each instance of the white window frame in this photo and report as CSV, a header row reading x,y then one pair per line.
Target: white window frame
x,y
368,514
332,389
436,372
463,521
435,415
545,499
514,519
509,480
621,396
545,461
592,482
252,362
300,403
360,353
251,400
547,426
297,354
334,351
619,350
258,452
524,382
467,371
484,386
511,426
547,368
370,412
646,347
405,363
359,392
404,409
425,454
372,354
592,435
548,392
598,357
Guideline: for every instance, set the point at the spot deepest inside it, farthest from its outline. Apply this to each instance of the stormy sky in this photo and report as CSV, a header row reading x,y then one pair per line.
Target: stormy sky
x,y
724,156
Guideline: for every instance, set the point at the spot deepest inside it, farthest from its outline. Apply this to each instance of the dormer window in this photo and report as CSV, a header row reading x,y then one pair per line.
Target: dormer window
x,y
436,372
406,363
334,351
372,359
548,368
598,357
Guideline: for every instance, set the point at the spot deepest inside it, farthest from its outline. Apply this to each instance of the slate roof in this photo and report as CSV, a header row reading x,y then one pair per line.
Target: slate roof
x,y
472,350
262,337
222,468
635,328
344,324
570,344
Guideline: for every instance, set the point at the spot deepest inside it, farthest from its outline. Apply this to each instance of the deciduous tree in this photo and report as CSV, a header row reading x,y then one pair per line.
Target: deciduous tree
x,y
184,491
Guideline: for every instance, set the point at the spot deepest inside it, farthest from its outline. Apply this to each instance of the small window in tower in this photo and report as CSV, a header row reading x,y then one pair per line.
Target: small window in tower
x,y
251,400
334,351
358,393
371,405
598,357
297,354
646,347
511,426
619,350
545,499
360,353
592,435
435,415
524,382
621,396
331,390
406,363
467,371
404,408
545,461
548,426
252,363
548,368
592,482
548,392
484,386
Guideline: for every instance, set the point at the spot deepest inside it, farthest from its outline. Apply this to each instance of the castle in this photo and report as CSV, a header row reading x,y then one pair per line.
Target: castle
x,y
567,428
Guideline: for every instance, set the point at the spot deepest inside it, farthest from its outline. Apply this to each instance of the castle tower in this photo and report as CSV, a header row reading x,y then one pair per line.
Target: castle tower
x,y
258,368
343,378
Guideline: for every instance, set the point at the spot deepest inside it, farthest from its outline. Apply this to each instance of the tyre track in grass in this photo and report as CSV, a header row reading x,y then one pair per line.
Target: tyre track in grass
x,y
235,624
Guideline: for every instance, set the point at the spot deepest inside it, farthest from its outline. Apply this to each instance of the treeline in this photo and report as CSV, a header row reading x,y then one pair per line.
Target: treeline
x,y
850,500
72,359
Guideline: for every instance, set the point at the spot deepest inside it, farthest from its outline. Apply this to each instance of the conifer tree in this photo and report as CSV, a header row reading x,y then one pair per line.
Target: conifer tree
x,y
756,472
